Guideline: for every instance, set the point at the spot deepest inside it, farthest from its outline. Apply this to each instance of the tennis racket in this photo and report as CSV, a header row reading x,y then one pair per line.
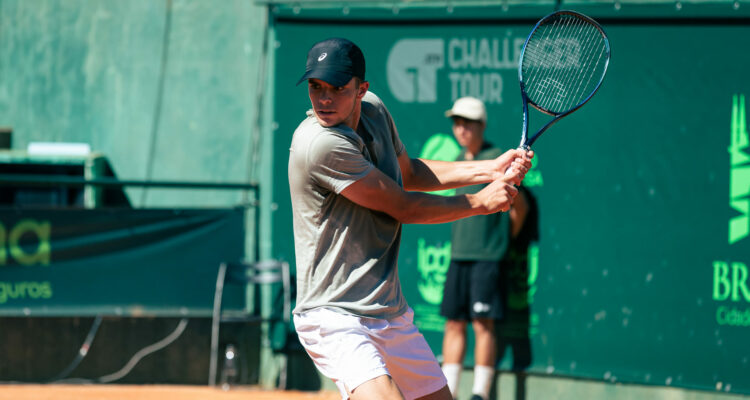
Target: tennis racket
x,y
562,65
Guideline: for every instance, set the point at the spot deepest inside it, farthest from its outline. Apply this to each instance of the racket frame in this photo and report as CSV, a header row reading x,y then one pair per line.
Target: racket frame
x,y
526,142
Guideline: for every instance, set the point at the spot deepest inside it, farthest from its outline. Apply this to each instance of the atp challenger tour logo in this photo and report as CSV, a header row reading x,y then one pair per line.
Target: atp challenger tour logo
x,y
730,278
568,48
473,67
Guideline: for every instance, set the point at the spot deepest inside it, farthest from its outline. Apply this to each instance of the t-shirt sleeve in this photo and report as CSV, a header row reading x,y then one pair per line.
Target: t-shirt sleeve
x,y
335,162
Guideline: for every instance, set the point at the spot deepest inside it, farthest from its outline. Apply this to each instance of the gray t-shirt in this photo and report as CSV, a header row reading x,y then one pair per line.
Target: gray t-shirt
x,y
346,254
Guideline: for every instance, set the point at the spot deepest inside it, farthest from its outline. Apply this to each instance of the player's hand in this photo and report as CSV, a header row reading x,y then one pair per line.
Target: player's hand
x,y
498,195
514,163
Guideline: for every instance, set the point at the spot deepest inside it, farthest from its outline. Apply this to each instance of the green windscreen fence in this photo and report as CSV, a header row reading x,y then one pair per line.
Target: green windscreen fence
x,y
641,270
115,262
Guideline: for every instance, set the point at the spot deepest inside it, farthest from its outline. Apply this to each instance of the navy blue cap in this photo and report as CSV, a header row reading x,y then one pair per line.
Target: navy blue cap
x,y
334,61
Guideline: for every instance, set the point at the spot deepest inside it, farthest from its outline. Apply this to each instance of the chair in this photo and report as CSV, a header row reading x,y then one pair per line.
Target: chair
x,y
272,273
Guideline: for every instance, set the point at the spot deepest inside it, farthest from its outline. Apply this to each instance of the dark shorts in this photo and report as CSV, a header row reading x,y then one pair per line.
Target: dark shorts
x,y
472,290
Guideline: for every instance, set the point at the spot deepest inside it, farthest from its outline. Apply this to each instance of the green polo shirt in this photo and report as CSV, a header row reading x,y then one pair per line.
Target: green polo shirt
x,y
481,237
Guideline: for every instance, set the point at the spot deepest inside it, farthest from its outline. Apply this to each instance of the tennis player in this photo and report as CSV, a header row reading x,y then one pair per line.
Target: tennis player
x,y
352,185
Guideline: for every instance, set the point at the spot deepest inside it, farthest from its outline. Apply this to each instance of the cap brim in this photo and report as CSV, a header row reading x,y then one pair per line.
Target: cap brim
x,y
452,114
335,78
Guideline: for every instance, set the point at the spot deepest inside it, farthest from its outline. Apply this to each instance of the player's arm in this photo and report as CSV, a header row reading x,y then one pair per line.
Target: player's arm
x,y
429,175
379,192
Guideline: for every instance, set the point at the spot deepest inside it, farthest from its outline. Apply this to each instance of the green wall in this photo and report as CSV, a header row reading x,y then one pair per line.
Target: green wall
x,y
167,90
637,277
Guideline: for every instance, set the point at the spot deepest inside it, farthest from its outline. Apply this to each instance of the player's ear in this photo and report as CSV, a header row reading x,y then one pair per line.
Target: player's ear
x,y
364,86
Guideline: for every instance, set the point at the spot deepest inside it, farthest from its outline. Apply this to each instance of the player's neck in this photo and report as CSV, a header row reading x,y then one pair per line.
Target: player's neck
x,y
352,120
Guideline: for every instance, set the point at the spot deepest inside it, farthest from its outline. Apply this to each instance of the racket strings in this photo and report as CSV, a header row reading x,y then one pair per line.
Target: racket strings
x,y
562,61
574,71
595,50
536,62
560,55
540,61
543,57
560,87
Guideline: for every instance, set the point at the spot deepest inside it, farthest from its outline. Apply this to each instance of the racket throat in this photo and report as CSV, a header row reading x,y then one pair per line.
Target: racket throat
x,y
525,124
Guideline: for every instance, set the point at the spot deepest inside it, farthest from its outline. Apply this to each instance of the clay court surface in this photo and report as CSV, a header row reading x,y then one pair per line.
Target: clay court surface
x,y
152,392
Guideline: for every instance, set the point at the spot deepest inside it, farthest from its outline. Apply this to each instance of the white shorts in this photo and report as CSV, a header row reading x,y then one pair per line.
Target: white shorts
x,y
352,350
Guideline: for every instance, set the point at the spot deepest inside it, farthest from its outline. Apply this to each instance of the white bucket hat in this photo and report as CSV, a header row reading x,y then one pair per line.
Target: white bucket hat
x,y
469,108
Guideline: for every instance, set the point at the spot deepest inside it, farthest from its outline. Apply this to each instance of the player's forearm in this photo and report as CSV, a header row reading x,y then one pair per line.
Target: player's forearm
x,y
424,208
430,175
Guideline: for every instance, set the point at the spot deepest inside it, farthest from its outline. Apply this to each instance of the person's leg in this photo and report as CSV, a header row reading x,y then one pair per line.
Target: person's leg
x,y
410,361
345,334
442,394
487,306
454,350
455,310
484,338
454,342
484,356
382,387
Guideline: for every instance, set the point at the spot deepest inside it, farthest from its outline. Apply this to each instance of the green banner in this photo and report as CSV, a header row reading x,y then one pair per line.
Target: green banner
x,y
114,262
641,272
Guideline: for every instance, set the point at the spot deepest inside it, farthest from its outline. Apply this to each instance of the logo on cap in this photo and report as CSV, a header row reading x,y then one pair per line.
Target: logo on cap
x,y
322,56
